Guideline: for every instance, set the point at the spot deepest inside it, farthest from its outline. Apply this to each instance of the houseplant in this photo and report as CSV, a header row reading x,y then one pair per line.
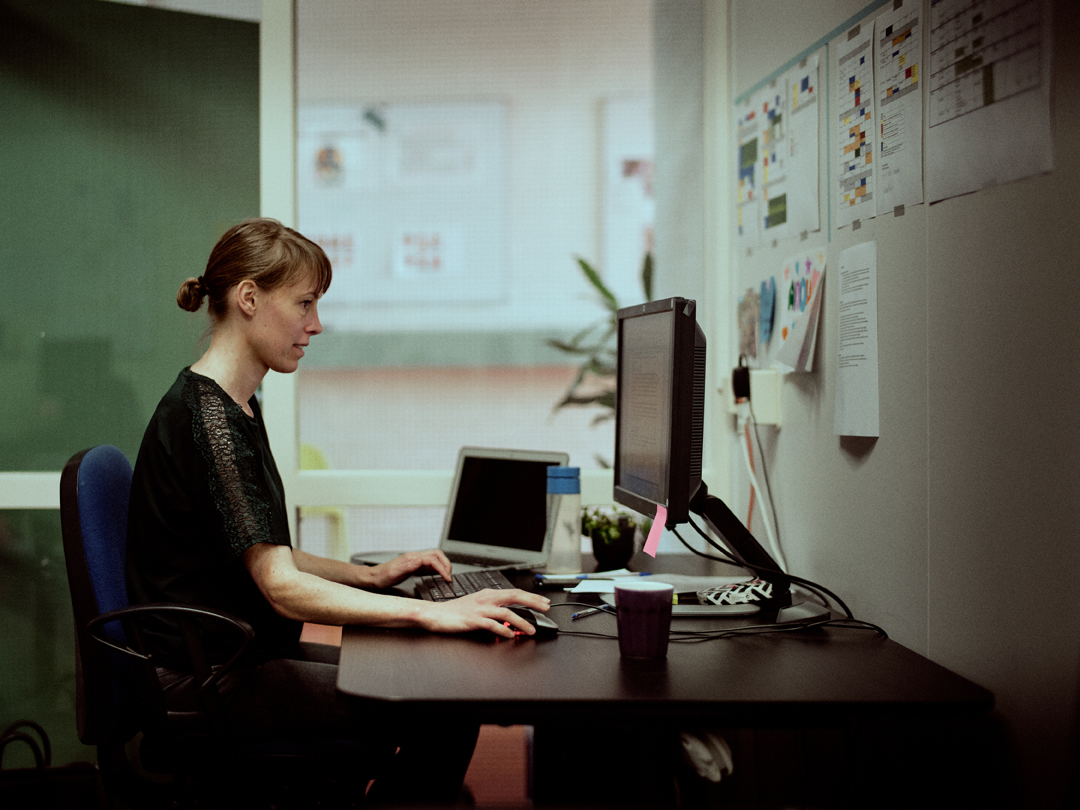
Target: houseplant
x,y
594,384
613,534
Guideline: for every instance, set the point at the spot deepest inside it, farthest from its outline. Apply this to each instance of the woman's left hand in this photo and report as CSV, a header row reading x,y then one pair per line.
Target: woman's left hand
x,y
388,574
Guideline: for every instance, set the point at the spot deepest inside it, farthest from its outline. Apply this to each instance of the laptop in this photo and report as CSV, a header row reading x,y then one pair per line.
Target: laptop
x,y
497,517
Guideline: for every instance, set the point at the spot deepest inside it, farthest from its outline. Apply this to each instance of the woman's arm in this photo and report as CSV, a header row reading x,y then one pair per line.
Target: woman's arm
x,y
305,596
373,576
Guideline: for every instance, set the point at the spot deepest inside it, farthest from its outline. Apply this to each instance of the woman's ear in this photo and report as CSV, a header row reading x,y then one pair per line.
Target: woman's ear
x,y
246,296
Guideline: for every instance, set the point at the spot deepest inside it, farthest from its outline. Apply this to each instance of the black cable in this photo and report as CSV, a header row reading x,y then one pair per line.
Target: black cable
x,y
820,590
698,636
694,636
579,604
587,634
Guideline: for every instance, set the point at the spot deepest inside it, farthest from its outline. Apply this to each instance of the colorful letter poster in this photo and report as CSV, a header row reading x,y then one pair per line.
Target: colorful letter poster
x,y
854,93
799,306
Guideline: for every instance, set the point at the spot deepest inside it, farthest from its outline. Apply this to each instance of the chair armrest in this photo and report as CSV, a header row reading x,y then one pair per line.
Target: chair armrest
x,y
185,616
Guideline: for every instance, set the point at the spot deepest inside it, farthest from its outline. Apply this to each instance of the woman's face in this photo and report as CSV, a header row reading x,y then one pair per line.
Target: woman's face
x,y
285,321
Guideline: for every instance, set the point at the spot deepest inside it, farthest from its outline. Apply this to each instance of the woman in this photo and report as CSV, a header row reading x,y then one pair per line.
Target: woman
x,y
208,523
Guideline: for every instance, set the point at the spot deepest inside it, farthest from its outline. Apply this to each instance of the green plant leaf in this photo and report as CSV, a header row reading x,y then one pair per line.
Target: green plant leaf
x,y
647,276
569,348
594,278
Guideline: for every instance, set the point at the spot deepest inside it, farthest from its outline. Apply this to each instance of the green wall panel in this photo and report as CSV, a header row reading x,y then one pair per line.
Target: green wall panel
x,y
130,142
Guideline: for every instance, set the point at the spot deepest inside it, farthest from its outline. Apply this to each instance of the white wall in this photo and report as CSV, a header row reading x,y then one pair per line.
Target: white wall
x,y
957,529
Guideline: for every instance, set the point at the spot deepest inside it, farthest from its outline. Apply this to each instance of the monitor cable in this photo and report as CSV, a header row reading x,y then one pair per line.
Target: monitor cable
x,y
697,636
822,592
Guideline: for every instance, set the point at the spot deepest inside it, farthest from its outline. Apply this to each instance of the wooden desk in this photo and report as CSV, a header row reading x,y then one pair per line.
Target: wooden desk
x,y
788,678
785,677
830,678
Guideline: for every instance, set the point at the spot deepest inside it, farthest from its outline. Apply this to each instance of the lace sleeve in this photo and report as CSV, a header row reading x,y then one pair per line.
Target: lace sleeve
x,y
233,468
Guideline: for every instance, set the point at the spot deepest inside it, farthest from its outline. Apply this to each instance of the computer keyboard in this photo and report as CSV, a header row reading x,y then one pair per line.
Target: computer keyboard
x,y
459,558
436,589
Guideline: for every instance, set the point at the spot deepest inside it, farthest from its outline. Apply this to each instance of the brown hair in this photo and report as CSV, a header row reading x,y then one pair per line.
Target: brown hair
x,y
262,250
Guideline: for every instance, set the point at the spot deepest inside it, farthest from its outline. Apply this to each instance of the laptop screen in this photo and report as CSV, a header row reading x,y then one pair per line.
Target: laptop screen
x,y
501,502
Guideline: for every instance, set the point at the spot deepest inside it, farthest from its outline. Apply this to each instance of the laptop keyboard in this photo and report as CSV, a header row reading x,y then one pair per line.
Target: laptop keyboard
x,y
437,589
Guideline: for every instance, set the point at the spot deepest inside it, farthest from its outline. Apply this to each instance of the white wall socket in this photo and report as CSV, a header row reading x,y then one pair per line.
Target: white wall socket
x,y
765,387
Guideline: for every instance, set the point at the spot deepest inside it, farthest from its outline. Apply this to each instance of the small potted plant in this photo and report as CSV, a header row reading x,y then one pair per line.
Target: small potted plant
x,y
613,536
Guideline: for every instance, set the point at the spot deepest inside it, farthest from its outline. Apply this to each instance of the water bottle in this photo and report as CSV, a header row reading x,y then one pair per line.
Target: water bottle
x,y
564,519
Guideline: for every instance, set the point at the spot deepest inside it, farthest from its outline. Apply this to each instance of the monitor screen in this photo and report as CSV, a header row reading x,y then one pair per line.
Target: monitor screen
x,y
660,389
494,493
659,428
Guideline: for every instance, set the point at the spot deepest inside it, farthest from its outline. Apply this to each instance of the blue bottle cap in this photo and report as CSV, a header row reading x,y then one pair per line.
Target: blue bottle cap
x,y
563,472
563,480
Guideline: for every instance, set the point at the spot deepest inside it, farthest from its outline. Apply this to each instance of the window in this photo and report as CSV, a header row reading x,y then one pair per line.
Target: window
x,y
455,159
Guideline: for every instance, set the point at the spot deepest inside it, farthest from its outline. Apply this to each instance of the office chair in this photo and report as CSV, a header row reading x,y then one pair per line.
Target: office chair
x,y
148,755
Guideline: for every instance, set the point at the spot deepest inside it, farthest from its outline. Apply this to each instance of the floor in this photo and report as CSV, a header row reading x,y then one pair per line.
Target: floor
x,y
498,774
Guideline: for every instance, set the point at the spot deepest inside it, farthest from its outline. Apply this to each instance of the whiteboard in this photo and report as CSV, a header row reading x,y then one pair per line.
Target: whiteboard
x,y
408,200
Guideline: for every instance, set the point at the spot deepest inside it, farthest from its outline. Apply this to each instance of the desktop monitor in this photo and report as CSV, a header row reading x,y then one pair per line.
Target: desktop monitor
x,y
659,407
659,428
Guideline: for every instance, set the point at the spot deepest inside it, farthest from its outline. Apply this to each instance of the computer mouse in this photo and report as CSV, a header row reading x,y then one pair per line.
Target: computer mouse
x,y
545,627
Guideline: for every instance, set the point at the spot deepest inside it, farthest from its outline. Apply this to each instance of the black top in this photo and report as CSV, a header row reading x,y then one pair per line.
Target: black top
x,y
205,489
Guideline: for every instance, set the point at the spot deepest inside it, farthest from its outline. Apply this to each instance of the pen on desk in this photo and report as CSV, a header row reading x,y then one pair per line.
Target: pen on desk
x,y
589,612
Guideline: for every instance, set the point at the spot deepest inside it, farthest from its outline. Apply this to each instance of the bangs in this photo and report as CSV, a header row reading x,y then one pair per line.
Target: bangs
x,y
299,258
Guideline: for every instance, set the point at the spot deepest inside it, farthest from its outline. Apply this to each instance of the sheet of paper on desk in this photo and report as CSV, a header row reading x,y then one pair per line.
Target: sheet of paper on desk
x,y
681,582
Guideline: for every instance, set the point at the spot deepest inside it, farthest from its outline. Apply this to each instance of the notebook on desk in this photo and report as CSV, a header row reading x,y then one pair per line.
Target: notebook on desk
x,y
497,516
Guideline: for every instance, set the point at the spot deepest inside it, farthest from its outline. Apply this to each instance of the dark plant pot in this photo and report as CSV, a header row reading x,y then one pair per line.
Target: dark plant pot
x,y
614,552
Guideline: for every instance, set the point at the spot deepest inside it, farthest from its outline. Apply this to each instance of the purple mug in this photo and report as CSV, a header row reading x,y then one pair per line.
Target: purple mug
x,y
643,615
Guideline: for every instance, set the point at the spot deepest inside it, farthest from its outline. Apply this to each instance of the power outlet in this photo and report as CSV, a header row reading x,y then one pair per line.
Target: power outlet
x,y
765,387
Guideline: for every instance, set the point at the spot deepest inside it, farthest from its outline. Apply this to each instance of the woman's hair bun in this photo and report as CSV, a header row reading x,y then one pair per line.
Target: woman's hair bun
x,y
190,295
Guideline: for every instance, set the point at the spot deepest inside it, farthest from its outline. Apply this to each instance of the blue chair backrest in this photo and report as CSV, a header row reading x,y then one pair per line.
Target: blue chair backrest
x,y
104,491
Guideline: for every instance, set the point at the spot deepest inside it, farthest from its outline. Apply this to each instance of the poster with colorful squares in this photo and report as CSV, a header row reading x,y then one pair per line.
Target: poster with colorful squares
x,y
774,157
761,154
801,163
748,173
898,49
853,66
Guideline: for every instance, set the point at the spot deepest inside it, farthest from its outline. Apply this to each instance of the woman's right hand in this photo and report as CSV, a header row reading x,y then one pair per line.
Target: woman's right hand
x,y
488,609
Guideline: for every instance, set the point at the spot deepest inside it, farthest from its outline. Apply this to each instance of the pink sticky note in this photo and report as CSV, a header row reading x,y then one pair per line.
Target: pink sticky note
x,y
653,540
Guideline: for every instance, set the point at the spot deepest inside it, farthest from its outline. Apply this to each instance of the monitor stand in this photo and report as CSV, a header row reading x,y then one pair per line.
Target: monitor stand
x,y
743,546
